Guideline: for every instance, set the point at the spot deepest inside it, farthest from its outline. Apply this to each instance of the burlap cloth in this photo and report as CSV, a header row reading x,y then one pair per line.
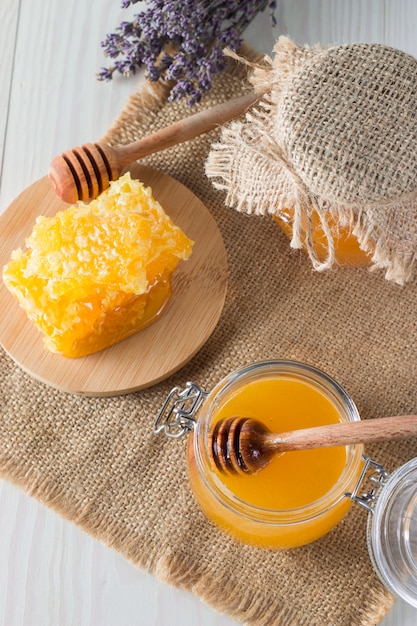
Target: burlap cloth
x,y
97,463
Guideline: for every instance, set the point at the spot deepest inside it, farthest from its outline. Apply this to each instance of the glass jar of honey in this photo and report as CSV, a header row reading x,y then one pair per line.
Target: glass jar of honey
x,y
300,495
303,494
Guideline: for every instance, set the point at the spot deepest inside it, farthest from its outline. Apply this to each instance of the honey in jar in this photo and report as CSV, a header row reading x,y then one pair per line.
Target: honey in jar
x,y
347,250
300,495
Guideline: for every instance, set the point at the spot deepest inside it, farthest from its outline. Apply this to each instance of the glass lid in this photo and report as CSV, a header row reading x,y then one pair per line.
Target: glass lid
x,y
392,533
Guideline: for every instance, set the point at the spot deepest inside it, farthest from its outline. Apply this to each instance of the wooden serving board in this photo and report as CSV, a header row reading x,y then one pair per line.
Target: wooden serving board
x,y
199,290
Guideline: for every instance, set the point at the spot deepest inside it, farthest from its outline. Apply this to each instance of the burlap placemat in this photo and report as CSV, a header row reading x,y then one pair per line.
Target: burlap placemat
x,y
97,462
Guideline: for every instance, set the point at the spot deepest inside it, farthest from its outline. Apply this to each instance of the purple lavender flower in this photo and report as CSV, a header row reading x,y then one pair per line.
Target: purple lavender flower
x,y
180,41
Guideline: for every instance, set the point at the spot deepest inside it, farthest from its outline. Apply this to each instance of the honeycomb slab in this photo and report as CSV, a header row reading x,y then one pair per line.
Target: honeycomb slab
x,y
96,273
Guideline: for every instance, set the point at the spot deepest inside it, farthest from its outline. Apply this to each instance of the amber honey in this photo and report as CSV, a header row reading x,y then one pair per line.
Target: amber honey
x,y
348,252
300,495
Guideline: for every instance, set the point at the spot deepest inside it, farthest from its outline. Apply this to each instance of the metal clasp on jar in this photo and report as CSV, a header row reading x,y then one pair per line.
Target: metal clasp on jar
x,y
178,414
376,474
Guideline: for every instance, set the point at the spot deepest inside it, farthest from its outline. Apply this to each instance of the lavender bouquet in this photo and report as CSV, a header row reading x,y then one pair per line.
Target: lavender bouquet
x,y
180,41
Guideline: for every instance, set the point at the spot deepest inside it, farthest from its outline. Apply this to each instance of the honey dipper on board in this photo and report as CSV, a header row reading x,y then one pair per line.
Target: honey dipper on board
x,y
84,172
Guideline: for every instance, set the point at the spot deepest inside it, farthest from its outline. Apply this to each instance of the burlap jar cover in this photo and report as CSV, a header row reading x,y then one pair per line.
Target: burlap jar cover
x,y
97,462
335,133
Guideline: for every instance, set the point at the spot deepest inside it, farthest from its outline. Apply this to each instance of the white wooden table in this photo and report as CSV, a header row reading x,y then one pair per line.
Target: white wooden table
x,y
51,573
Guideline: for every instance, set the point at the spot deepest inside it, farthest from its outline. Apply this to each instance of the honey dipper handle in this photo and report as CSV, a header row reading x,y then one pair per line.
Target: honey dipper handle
x,y
185,129
367,431
84,172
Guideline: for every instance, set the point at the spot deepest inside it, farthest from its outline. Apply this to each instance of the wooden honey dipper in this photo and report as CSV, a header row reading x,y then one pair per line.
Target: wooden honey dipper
x,y
84,172
244,445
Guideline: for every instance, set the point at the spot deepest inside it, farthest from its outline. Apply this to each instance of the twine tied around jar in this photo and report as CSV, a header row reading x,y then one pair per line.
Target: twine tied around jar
x,y
335,133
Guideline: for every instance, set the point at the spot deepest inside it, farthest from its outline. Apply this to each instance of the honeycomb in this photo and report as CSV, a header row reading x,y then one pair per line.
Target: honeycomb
x,y
97,273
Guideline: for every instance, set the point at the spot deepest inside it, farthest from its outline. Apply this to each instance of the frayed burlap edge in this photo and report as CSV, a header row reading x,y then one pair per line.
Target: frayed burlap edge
x,y
256,174
253,609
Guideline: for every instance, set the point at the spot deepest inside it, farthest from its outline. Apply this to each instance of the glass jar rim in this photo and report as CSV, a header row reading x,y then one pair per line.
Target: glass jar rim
x,y
391,532
289,368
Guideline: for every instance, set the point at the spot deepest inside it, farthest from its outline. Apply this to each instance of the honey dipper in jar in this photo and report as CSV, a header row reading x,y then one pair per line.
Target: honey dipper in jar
x,y
240,445
97,273
330,151
298,496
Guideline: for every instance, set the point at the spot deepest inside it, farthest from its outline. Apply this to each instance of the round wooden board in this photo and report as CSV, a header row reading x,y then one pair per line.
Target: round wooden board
x,y
153,354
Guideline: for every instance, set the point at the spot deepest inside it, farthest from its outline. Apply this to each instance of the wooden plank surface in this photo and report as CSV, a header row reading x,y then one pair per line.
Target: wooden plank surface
x,y
9,17
51,573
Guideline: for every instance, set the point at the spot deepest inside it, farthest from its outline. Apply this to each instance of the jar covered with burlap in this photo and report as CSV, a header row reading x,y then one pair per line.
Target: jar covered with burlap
x,y
330,151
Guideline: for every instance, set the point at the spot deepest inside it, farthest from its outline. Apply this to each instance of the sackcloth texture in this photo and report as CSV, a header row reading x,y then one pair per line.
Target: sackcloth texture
x,y
335,133
96,461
